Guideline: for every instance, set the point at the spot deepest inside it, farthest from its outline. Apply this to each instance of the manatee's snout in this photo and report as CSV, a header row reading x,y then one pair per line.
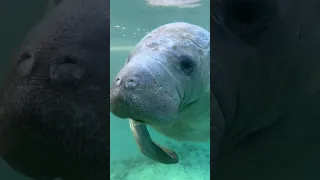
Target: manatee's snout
x,y
117,99
139,92
128,82
66,73
127,90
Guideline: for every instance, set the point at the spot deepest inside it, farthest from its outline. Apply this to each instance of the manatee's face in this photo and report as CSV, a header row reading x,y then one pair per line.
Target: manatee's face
x,y
167,70
57,85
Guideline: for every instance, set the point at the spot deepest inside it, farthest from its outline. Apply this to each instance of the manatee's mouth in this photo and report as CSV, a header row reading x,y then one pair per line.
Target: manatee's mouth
x,y
140,121
124,112
146,111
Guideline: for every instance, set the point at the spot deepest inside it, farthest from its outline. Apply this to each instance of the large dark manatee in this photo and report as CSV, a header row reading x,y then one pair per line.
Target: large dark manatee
x,y
54,102
265,72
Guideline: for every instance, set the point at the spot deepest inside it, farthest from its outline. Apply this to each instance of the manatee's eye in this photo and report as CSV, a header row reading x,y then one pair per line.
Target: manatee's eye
x,y
186,64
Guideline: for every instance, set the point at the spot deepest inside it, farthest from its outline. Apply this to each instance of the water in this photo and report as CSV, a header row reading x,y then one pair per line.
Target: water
x,y
130,21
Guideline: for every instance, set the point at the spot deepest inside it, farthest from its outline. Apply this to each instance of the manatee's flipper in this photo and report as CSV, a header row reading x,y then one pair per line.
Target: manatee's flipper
x,y
148,147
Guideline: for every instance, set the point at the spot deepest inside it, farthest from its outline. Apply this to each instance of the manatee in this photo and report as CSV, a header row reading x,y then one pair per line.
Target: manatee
x,y
165,84
54,100
265,80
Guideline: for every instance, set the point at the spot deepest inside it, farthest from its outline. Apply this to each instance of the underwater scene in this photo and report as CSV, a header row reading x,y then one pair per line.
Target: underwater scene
x,y
130,22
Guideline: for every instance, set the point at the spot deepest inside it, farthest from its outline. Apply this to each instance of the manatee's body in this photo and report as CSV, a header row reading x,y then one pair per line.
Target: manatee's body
x,y
165,84
54,101
266,74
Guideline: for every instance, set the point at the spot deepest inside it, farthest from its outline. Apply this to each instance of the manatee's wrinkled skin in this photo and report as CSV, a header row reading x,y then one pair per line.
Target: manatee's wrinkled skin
x,y
265,72
165,84
54,101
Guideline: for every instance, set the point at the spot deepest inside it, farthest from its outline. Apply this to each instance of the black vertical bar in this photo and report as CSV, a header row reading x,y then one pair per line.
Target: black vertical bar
x,y
108,9
108,93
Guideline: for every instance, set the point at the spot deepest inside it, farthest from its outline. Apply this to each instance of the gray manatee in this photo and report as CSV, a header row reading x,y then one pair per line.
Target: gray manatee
x,y
165,83
265,80
54,101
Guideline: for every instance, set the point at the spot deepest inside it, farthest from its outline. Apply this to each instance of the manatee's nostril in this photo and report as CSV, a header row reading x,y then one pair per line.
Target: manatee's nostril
x,y
67,74
25,55
118,81
26,63
130,83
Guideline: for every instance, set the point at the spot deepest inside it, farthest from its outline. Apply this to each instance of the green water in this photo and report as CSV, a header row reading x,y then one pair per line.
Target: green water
x,y
130,21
